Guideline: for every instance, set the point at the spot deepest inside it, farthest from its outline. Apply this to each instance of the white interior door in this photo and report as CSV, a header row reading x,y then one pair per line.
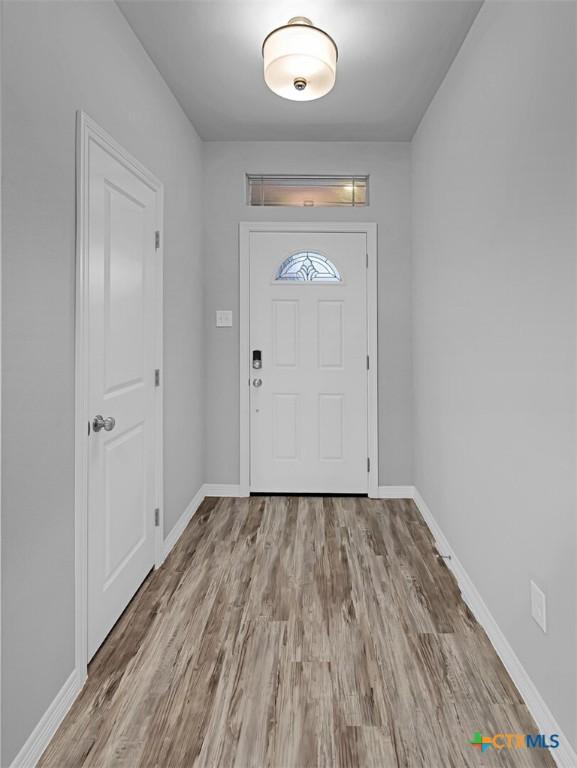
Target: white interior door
x,y
122,211
308,403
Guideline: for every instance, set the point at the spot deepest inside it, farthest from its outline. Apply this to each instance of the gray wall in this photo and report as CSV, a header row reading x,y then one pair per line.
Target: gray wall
x,y
225,165
57,58
494,325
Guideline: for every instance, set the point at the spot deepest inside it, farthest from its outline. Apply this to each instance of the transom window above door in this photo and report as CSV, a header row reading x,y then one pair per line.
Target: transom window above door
x,y
307,191
308,267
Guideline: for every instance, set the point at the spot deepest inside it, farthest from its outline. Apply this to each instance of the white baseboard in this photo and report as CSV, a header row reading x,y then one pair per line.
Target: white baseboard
x,y
383,491
182,522
204,491
41,736
216,489
395,492
564,755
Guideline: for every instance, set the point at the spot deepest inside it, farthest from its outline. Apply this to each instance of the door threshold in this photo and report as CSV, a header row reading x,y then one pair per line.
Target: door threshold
x,y
304,493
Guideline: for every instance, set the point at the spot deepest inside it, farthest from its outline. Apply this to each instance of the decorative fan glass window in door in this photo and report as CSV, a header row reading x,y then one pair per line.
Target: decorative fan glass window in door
x,y
308,267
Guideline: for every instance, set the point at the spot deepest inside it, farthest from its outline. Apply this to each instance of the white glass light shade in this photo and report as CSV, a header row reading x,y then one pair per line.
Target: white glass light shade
x,y
300,61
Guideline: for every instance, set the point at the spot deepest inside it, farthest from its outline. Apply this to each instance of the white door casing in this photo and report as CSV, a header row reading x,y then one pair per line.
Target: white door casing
x,y
310,420
119,480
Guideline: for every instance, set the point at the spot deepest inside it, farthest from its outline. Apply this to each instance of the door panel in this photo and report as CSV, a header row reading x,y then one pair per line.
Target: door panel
x,y
331,426
121,225
123,291
308,418
330,334
285,426
286,337
125,523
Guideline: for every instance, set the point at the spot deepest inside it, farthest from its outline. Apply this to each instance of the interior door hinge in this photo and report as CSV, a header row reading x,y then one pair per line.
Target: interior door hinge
x,y
368,464
157,377
156,517
368,363
157,240
367,260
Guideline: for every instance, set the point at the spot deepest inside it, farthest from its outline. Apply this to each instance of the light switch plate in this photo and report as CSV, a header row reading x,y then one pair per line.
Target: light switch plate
x,y
224,318
538,606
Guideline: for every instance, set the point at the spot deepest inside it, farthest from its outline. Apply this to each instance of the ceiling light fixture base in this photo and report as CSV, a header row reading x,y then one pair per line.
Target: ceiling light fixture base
x,y
299,20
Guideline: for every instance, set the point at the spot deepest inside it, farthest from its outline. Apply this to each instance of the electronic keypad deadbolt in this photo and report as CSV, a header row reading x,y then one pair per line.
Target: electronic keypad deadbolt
x,y
256,359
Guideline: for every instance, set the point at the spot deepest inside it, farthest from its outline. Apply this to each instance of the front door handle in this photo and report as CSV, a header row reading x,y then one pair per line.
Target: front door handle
x,y
257,382
100,422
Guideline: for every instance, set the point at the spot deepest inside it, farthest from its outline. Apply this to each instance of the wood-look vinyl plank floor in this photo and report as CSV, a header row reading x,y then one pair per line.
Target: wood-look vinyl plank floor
x,y
296,632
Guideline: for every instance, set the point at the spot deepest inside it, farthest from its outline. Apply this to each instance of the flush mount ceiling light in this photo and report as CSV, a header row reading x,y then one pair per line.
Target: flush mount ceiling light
x,y
300,60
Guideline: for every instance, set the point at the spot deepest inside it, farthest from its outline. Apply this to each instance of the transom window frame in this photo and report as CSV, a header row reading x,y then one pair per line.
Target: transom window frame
x,y
318,181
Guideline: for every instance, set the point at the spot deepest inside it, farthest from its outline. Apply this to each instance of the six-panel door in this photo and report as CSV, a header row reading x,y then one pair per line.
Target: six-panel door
x,y
308,404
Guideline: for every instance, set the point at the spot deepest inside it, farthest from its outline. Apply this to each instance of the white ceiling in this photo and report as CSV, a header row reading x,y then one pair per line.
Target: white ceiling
x,y
392,58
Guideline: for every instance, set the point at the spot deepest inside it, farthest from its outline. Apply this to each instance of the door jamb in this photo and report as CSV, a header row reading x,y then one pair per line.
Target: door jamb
x,y
370,230
87,132
1,379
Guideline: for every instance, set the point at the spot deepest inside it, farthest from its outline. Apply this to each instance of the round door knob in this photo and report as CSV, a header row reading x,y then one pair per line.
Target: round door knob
x,y
257,382
100,422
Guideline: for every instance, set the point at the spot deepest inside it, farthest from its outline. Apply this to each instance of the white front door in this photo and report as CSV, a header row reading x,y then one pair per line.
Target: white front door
x,y
308,327
121,223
